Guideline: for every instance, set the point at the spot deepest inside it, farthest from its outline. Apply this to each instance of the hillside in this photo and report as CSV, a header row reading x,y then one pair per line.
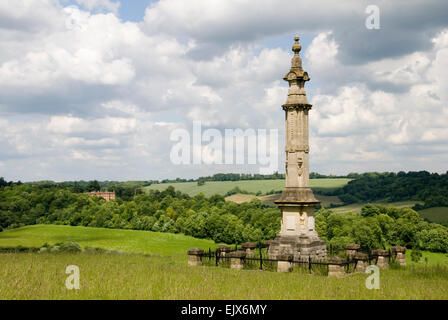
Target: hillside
x,y
110,239
252,186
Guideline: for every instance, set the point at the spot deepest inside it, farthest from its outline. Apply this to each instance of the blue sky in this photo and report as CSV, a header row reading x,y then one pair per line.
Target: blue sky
x,y
88,95
134,10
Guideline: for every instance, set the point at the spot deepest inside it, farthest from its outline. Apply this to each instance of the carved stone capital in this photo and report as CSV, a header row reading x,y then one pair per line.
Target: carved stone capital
x,y
289,107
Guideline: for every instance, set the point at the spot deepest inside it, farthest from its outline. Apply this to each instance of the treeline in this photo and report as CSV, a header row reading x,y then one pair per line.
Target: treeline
x,y
212,218
88,186
243,177
381,227
430,188
167,211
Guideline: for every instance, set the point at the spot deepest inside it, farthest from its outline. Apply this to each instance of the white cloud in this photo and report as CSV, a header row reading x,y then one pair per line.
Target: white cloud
x,y
73,125
86,95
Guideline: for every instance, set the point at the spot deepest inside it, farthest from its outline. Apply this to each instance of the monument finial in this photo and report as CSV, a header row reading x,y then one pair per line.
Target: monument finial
x,y
296,47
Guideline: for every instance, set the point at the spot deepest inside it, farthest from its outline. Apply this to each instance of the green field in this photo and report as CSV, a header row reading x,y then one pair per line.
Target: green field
x,y
356,207
252,186
436,214
164,273
42,276
126,240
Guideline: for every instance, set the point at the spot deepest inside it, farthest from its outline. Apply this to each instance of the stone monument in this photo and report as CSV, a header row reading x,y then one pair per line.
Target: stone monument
x,y
297,202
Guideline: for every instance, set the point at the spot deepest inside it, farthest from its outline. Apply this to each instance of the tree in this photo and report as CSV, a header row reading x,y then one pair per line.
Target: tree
x,y
93,186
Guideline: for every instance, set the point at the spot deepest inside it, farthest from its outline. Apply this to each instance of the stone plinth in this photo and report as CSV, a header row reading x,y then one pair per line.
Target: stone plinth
x,y
222,251
267,243
300,247
399,254
249,247
362,261
336,267
195,257
284,264
237,259
351,249
381,258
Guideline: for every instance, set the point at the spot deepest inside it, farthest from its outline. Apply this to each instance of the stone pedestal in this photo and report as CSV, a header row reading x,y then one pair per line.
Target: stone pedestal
x,y
399,254
284,264
336,267
381,258
351,250
249,247
195,257
300,247
361,260
222,251
237,259
267,244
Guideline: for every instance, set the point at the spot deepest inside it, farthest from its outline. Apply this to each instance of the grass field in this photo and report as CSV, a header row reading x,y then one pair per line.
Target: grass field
x,y
436,214
42,276
126,240
164,273
356,207
253,186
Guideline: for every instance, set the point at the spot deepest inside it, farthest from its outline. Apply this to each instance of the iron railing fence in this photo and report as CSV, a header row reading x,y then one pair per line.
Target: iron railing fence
x,y
261,261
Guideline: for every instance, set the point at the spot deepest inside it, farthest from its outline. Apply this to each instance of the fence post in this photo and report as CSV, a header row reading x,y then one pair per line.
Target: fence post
x,y
261,257
309,264
195,257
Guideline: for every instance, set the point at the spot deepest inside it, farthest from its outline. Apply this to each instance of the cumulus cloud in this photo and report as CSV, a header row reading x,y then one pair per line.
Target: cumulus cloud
x,y
401,127
84,94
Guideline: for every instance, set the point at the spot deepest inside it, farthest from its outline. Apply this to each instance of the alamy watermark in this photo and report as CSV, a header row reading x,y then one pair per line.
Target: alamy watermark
x,y
72,281
373,280
235,146
373,20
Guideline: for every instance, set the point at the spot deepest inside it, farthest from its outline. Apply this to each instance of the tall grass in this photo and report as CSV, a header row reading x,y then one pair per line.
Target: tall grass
x,y
42,276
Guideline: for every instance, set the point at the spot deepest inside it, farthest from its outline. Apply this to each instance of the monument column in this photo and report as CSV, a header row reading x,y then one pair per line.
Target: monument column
x,y
297,202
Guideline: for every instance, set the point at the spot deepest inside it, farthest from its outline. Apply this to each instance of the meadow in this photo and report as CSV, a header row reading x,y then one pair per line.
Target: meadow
x,y
42,276
252,186
435,214
111,239
162,273
356,207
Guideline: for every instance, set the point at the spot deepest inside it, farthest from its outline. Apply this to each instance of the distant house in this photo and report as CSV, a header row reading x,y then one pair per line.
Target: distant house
x,y
105,195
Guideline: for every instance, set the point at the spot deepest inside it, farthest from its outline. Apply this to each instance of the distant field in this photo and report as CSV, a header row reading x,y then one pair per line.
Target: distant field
x,y
356,207
436,214
253,186
126,240
269,199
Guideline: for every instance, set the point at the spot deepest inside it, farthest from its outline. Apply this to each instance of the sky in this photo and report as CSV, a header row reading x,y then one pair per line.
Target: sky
x,y
93,89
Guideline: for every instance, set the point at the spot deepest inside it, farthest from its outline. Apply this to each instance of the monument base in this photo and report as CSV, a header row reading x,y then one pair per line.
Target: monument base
x,y
300,247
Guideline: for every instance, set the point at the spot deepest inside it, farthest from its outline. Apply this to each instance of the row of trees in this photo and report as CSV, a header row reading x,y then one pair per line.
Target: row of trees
x,y
167,211
432,189
243,177
212,217
380,227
